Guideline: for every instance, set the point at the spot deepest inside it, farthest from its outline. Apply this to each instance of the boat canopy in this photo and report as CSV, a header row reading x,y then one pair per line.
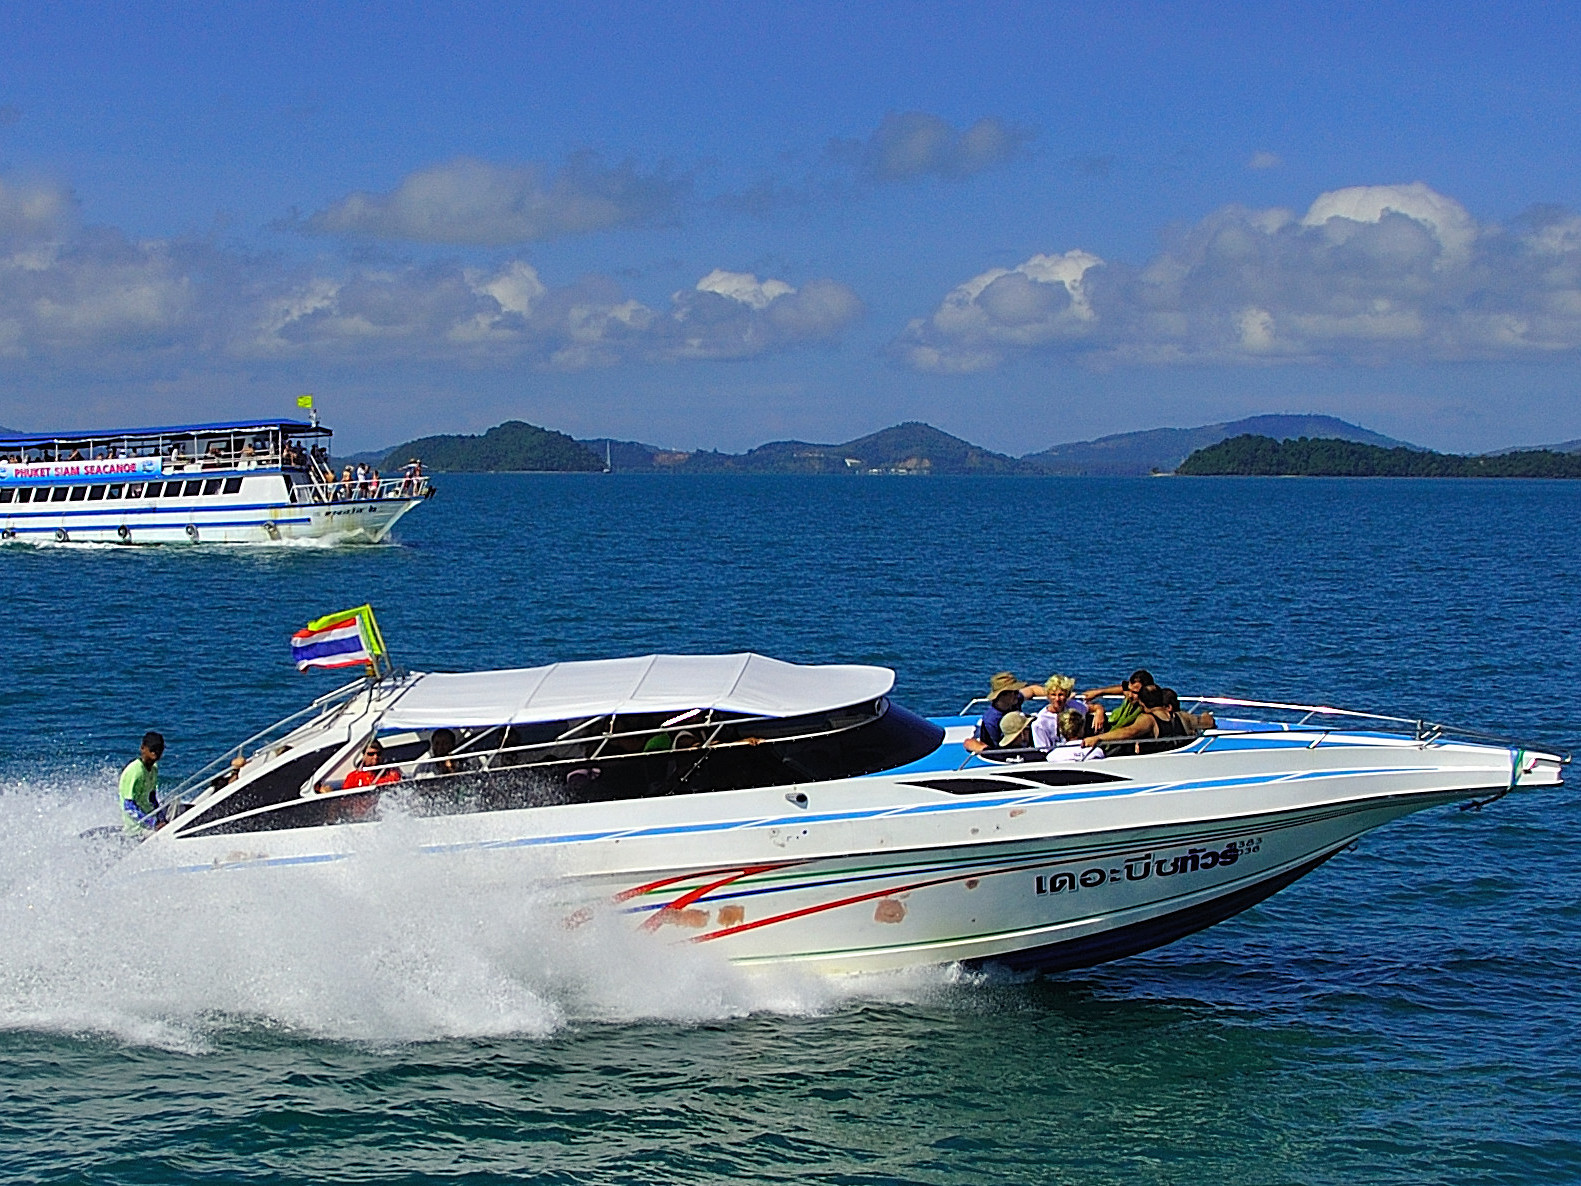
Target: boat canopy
x,y
746,683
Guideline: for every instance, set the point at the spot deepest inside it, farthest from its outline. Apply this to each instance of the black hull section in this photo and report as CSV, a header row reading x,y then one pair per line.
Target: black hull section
x,y
1154,932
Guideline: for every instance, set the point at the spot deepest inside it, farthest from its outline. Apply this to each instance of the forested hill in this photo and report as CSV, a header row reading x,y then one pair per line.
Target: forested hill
x,y
910,448
512,446
1322,457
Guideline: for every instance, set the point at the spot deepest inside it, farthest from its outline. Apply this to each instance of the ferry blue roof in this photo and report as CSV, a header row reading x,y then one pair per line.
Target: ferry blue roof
x,y
169,430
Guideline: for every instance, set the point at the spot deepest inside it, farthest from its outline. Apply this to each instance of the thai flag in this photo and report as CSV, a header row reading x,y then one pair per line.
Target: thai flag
x,y
331,642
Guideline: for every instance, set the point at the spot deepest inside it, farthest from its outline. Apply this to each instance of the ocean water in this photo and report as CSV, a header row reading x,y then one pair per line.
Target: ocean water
x,y
1410,1012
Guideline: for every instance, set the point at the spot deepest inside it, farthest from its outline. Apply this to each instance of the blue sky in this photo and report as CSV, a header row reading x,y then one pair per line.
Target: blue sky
x,y
713,225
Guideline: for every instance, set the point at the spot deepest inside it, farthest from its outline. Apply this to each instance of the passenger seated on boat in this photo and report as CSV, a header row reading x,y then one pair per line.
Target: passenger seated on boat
x,y
510,751
367,772
1130,707
437,760
1156,724
1057,691
1015,740
1195,722
680,763
1007,696
1068,746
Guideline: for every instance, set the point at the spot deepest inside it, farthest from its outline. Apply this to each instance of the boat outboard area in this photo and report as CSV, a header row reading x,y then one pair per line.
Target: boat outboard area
x,y
246,481
780,812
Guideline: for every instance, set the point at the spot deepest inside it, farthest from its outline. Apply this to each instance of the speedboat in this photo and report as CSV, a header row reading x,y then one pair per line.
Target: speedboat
x,y
787,814
244,481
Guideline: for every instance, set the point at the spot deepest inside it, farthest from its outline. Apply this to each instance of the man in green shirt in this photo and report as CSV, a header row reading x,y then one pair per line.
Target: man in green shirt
x,y
139,787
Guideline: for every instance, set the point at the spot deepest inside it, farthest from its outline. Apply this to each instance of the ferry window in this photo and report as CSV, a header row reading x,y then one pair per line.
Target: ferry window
x,y
135,490
24,494
212,486
78,493
7,494
96,493
233,485
113,491
59,494
194,486
153,489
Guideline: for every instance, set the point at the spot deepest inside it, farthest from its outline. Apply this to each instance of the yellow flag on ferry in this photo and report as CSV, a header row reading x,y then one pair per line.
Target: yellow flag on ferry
x,y
304,401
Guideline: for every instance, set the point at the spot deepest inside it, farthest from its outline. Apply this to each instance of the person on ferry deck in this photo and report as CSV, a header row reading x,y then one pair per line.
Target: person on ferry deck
x,y
1057,691
1006,696
1129,708
140,814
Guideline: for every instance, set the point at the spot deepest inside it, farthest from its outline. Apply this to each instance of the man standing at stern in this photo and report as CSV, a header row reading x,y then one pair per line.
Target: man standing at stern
x,y
139,787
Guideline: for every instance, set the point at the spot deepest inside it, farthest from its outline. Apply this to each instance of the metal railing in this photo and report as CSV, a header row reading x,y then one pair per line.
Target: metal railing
x,y
1310,720
201,780
323,489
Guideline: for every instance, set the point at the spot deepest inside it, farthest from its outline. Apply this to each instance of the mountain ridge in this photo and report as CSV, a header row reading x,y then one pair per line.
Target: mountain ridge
x,y
1162,449
911,447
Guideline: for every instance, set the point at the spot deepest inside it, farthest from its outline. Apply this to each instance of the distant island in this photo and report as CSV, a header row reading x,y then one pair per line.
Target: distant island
x,y
1161,450
912,448
1250,455
510,447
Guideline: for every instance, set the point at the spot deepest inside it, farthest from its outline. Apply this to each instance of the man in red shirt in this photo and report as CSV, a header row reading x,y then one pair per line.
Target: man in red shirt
x,y
365,775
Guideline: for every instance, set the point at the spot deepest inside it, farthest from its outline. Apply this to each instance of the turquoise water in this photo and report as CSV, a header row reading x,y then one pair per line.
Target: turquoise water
x,y
1409,1013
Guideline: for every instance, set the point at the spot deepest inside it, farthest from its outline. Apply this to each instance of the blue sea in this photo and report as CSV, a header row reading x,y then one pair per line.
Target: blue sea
x,y
1409,1013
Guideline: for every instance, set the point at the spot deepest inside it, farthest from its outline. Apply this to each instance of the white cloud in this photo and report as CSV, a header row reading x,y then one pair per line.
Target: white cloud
x,y
92,299
735,315
1265,160
744,287
1368,274
916,144
34,211
1042,301
510,315
1451,225
469,201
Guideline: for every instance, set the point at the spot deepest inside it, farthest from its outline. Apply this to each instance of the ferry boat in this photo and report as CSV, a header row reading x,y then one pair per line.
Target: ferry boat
x,y
779,813
244,481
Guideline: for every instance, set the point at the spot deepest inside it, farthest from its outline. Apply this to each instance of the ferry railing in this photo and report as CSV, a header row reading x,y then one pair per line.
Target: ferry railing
x,y
325,490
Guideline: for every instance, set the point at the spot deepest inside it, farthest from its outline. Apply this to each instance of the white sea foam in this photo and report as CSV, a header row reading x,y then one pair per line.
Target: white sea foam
x,y
379,949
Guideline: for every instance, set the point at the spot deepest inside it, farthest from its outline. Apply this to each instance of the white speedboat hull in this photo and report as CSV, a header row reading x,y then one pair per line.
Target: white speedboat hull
x,y
898,869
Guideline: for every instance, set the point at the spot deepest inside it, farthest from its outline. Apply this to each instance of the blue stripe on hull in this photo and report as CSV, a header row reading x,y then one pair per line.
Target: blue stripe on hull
x,y
1138,937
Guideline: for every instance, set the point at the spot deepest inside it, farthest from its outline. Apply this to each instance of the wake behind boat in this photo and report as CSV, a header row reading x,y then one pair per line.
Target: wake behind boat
x,y
244,481
781,813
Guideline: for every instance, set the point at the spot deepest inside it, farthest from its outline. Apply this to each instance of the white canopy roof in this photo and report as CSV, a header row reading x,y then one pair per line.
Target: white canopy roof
x,y
745,683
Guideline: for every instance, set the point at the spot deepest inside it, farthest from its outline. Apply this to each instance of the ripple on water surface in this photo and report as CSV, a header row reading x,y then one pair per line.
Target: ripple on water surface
x,y
1407,1013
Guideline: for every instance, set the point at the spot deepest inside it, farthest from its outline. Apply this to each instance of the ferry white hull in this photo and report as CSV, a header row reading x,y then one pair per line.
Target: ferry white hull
x,y
884,872
241,518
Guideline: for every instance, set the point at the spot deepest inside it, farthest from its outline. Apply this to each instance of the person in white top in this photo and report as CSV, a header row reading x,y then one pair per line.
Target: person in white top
x,y
1057,690
1068,747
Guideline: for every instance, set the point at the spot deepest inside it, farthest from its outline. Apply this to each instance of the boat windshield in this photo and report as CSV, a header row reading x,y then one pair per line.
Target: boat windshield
x,y
447,771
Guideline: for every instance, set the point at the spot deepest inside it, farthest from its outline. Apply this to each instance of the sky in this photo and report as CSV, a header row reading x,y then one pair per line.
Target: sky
x,y
713,225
